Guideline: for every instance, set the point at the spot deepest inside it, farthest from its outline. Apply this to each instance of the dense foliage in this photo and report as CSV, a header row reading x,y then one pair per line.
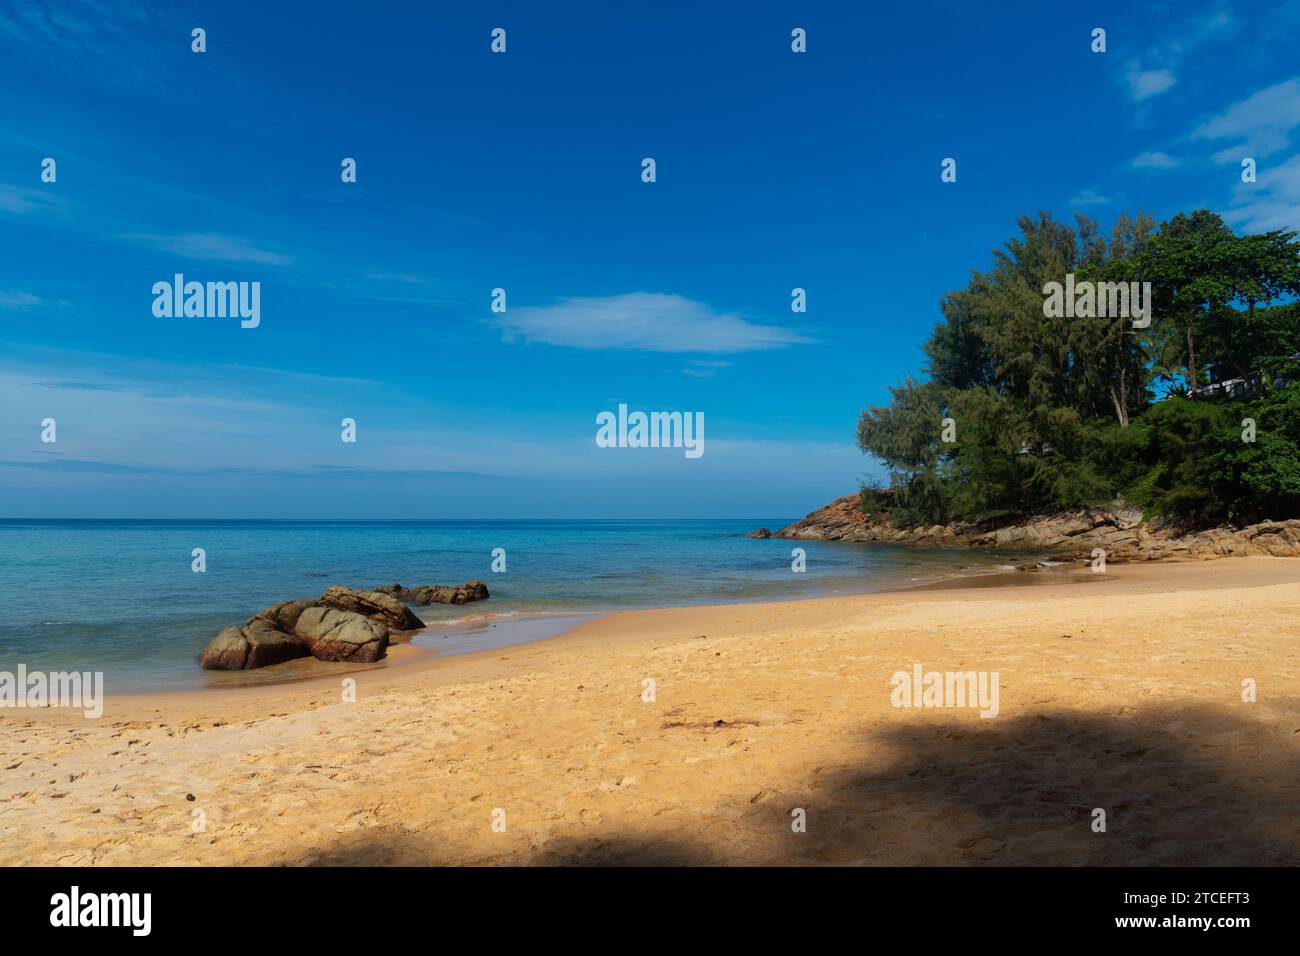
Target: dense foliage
x,y
1054,412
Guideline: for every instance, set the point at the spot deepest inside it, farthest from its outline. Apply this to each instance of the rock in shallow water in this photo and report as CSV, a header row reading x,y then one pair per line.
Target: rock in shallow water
x,y
426,594
255,644
337,635
376,605
343,624
285,614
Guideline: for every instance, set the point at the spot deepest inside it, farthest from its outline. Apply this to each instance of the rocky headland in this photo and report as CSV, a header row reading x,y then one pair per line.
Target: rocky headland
x,y
1122,532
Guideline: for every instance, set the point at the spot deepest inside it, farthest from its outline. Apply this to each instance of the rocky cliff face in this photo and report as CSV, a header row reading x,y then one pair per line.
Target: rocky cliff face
x,y
1122,533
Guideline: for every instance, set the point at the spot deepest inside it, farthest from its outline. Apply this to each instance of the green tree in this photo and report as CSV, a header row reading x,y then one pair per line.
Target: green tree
x,y
1054,411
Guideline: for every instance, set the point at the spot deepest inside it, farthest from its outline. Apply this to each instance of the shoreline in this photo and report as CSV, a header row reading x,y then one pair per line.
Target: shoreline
x,y
409,653
423,661
1127,698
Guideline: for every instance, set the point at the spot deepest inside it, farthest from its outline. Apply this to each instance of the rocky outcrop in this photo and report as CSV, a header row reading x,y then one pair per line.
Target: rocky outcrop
x,y
299,628
375,605
285,614
427,594
841,520
255,644
342,635
343,624
1120,531
1279,539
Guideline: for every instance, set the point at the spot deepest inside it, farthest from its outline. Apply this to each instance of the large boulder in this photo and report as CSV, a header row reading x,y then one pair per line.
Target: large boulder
x,y
427,594
285,614
376,605
336,635
255,644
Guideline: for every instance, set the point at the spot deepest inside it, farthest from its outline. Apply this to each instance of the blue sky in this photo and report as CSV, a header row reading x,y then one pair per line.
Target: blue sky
x,y
775,170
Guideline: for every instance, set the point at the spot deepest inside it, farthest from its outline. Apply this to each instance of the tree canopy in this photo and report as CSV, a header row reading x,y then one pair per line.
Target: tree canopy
x,y
1023,409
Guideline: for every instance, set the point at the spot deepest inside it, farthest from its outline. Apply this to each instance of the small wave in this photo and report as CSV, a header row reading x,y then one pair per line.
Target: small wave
x,y
471,618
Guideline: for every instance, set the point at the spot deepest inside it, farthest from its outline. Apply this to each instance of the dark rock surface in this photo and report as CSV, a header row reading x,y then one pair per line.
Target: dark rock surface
x,y
343,624
427,594
342,635
376,605
257,643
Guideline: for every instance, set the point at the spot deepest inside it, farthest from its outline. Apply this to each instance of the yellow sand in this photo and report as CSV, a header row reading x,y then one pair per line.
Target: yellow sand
x,y
1122,693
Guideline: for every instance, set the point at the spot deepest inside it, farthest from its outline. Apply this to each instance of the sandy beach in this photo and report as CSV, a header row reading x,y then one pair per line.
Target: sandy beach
x,y
1121,692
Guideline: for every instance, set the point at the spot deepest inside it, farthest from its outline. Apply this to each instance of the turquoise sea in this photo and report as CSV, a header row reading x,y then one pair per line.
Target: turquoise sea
x,y
120,596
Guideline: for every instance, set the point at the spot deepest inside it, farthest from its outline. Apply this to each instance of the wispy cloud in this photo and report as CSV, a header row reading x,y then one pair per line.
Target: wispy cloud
x,y
339,472
18,300
79,24
705,368
1089,197
1273,202
643,321
1155,72
80,386
406,278
117,37
18,200
1153,159
1144,84
1260,124
212,246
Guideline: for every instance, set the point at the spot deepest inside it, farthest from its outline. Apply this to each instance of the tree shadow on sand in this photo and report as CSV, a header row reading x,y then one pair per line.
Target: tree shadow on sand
x,y
1180,785
1186,785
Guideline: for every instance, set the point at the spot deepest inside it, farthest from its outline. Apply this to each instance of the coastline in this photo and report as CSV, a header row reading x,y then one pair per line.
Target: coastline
x,y
759,709
416,660
414,648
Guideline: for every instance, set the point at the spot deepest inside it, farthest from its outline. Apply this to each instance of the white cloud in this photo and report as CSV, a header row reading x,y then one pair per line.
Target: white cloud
x,y
16,199
209,245
1261,123
18,300
1089,197
643,321
1273,202
406,278
1144,84
1153,159
1154,72
1233,154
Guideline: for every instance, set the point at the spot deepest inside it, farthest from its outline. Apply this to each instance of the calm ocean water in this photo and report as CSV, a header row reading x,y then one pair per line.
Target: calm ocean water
x,y
119,596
